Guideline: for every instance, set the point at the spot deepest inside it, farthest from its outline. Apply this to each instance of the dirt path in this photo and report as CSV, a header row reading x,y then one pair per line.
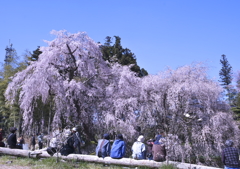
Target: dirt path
x,y
13,167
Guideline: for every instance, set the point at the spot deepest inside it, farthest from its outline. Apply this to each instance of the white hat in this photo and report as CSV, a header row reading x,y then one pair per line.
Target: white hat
x,y
74,129
140,138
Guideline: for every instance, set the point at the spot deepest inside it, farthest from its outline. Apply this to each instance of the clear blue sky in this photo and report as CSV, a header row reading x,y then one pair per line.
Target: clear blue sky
x,y
161,33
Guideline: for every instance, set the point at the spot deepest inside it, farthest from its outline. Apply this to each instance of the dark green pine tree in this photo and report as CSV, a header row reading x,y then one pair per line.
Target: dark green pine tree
x,y
107,48
226,77
116,53
226,72
35,55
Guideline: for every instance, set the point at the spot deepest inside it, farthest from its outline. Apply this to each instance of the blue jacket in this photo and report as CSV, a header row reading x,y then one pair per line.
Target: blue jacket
x,y
106,148
118,149
40,138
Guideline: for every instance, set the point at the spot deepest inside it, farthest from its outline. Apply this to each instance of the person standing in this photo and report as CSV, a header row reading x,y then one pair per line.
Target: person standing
x,y
33,142
118,147
103,148
40,140
139,149
230,156
12,138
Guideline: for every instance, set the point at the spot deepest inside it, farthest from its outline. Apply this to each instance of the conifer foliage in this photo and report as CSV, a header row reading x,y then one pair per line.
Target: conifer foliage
x,y
123,56
35,55
238,81
226,72
226,80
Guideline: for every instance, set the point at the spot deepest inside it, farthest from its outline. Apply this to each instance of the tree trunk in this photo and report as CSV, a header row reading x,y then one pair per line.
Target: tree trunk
x,y
96,159
81,157
23,153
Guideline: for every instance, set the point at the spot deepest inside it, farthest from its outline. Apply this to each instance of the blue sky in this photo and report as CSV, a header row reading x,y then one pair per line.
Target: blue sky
x,y
161,33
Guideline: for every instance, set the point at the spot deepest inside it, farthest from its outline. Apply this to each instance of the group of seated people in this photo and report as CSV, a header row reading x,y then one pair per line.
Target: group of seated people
x,y
12,140
153,150
71,143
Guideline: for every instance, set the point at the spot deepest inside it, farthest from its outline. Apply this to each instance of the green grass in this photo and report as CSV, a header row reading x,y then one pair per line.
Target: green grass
x,y
50,163
170,166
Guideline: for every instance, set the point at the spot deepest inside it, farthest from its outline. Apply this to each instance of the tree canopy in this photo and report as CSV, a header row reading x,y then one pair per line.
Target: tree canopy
x,y
123,56
225,72
78,87
35,54
226,78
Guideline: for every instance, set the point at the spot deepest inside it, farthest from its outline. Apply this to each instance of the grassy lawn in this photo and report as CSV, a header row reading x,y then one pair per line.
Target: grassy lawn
x,y
10,162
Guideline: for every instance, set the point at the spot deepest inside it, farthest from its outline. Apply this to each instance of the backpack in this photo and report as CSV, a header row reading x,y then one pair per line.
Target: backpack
x,y
51,151
2,144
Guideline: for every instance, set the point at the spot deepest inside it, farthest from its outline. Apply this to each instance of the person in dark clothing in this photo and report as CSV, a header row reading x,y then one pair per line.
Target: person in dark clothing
x,y
230,156
1,138
157,138
20,141
1,135
40,140
118,147
103,148
33,142
149,149
12,138
77,141
68,147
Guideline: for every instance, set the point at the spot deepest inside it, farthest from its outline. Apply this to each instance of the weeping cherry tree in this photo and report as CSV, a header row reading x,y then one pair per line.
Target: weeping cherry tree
x,y
70,73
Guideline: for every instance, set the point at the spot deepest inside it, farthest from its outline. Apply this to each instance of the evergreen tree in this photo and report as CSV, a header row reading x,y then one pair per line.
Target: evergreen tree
x,y
226,72
107,49
9,115
36,54
124,56
33,56
226,77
